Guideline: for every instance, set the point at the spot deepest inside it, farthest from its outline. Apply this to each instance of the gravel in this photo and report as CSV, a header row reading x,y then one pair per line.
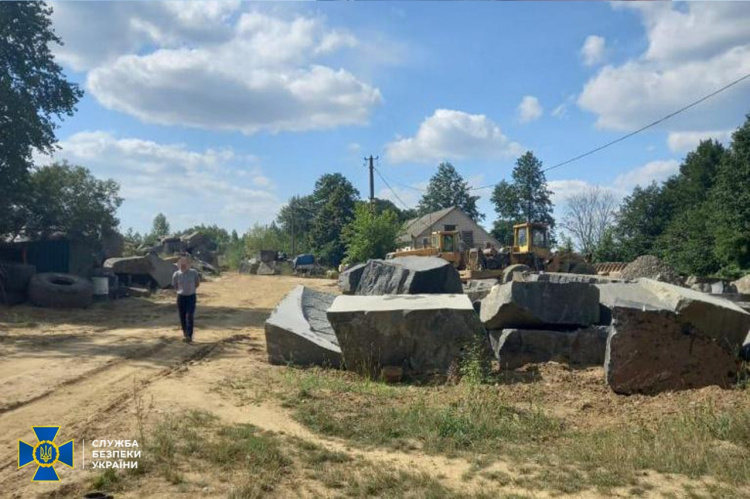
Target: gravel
x,y
651,267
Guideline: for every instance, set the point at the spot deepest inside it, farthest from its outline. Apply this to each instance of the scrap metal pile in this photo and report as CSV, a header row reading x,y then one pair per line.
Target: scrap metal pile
x,y
411,315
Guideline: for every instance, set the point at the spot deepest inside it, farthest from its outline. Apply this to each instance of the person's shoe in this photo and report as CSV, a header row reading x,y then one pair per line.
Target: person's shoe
x,y
189,339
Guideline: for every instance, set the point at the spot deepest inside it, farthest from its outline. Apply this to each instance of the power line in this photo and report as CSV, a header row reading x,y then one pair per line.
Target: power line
x,y
391,188
645,127
654,123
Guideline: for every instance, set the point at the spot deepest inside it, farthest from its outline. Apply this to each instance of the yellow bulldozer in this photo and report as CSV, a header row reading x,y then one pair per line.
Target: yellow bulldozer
x,y
530,251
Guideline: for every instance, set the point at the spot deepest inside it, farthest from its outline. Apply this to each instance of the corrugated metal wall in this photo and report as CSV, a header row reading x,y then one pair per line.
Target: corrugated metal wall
x,y
49,256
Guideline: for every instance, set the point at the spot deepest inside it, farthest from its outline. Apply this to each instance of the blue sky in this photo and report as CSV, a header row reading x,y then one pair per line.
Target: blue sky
x,y
218,112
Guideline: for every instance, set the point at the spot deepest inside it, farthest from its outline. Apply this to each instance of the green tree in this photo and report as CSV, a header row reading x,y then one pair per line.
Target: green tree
x,y
265,237
608,250
447,188
34,98
69,199
370,234
730,203
687,243
334,198
687,239
159,228
295,219
526,198
644,215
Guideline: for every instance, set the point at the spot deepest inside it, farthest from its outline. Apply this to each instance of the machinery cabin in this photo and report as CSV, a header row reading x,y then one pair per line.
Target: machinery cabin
x,y
530,244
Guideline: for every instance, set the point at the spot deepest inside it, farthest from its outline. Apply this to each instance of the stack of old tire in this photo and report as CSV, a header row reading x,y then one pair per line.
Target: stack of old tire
x,y
14,282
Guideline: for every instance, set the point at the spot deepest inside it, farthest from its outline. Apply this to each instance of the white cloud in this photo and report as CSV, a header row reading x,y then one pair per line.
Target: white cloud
x,y
449,134
687,141
694,49
529,109
113,29
210,186
593,50
621,186
654,171
211,66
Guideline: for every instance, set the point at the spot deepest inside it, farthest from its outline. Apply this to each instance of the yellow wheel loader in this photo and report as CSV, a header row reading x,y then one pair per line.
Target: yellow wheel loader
x,y
530,248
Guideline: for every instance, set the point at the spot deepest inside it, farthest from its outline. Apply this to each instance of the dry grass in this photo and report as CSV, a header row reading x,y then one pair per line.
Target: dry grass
x,y
469,420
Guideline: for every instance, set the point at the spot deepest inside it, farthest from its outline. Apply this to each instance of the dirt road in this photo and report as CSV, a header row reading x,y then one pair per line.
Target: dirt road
x,y
78,369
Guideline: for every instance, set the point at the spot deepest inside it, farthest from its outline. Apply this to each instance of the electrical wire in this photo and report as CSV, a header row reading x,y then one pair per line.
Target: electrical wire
x,y
391,188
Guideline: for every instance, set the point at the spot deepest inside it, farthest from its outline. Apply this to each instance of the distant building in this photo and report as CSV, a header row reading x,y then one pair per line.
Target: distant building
x,y
417,231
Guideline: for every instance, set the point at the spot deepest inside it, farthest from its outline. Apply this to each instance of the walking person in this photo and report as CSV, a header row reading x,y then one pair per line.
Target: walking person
x,y
186,281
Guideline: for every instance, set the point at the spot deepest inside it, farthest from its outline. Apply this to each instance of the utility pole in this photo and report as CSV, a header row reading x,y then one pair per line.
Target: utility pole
x,y
372,182
291,207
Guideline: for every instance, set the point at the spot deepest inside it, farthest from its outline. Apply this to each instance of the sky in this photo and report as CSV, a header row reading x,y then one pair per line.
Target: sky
x,y
219,112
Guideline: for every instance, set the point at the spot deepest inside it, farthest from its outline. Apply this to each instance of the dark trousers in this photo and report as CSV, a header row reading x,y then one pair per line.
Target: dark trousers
x,y
186,308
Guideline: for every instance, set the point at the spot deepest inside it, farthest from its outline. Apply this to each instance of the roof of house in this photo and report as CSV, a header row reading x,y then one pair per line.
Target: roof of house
x,y
414,227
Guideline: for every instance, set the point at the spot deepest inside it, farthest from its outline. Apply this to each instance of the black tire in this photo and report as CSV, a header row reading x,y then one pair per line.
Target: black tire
x,y
60,291
16,276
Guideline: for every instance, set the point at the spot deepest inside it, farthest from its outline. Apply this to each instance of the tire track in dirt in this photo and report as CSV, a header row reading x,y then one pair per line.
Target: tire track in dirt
x,y
93,398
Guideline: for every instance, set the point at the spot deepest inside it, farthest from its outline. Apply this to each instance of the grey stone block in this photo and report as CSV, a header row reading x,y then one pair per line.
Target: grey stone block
x,y
540,305
421,333
409,275
298,331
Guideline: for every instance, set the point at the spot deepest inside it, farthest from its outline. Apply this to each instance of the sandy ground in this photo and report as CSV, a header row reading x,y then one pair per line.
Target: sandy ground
x,y
80,369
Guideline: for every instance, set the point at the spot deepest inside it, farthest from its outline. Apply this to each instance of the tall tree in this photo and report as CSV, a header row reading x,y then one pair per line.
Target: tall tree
x,y
295,219
730,202
160,227
69,199
447,188
34,97
526,198
370,234
644,215
333,201
588,216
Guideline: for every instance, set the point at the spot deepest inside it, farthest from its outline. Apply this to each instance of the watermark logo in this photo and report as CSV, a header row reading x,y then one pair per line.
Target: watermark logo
x,y
45,454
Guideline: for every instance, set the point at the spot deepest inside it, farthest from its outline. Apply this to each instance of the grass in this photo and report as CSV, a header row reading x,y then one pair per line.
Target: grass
x,y
470,421
449,421
195,440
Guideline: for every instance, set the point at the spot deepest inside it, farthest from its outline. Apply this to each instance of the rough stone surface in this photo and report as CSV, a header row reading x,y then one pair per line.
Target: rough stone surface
x,y
421,333
266,268
159,270
349,279
298,331
517,347
566,261
715,317
540,305
409,275
743,285
477,289
650,351
563,278
650,267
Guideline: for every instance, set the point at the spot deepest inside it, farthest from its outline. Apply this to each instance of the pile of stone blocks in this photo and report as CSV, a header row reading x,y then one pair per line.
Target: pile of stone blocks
x,y
651,336
533,322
